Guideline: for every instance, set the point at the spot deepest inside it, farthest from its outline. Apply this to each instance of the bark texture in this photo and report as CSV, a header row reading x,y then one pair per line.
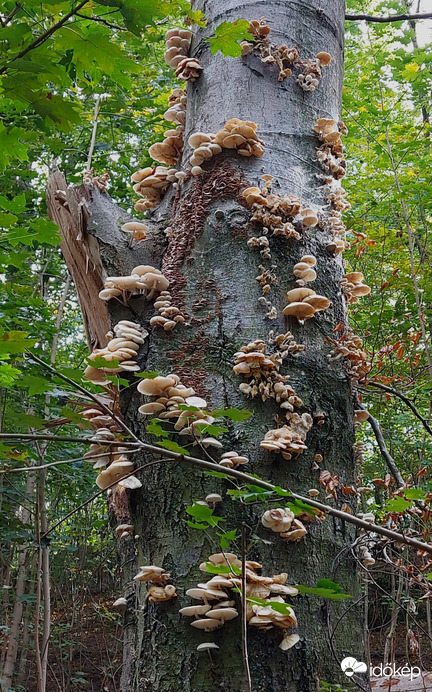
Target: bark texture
x,y
212,277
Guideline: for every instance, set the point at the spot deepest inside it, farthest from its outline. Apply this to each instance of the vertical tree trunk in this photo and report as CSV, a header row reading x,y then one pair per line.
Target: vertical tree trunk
x,y
212,274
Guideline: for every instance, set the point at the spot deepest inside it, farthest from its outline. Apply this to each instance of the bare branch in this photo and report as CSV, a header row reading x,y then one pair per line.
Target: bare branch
x,y
390,18
391,464
93,18
407,401
4,22
57,438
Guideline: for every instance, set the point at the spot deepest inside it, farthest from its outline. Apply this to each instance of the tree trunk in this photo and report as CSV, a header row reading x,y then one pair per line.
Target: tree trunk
x,y
212,274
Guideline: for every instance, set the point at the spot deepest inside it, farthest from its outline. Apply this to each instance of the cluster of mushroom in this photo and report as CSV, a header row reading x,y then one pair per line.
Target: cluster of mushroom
x,y
170,149
353,286
143,280
100,454
304,270
303,303
269,53
124,531
151,184
284,57
120,467
311,73
169,315
284,522
262,371
237,134
356,361
218,605
266,278
170,393
159,591
336,197
289,440
177,44
122,346
99,181
365,556
272,211
330,154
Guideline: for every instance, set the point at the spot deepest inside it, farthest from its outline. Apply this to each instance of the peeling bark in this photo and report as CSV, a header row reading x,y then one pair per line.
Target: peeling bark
x,y
212,278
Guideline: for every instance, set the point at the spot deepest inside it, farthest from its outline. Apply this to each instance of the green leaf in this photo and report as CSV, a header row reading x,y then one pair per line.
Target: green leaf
x,y
226,539
47,232
282,608
146,375
172,446
208,429
154,428
227,35
397,504
414,494
221,569
15,342
197,17
35,384
325,588
201,513
136,13
235,414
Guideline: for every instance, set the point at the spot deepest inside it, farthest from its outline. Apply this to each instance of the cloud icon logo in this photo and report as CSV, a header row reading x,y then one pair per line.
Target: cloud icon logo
x,y
350,666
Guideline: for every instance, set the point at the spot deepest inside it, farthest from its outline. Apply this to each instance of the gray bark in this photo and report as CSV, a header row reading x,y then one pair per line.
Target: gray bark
x,y
207,260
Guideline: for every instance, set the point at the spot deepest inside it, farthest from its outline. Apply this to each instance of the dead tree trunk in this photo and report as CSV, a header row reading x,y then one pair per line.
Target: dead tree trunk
x,y
212,274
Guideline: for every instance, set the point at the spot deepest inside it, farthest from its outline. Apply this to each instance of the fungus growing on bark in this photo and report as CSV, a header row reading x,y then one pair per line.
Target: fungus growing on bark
x,y
330,154
262,370
125,530
136,229
177,44
159,594
207,646
353,286
361,416
144,280
290,439
151,184
128,337
303,302
120,604
232,460
114,472
236,134
296,532
304,270
277,519
169,315
311,72
349,348
152,573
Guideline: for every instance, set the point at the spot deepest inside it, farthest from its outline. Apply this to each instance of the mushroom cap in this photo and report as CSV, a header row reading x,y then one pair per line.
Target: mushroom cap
x,y
360,290
197,138
318,302
297,295
213,498
309,221
132,226
114,472
206,646
207,624
192,611
289,641
309,259
223,614
324,58
222,558
361,416
302,311
155,386
199,594
196,401
354,277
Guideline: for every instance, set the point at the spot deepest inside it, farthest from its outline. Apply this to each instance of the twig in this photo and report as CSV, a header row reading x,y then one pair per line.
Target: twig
x,y
211,466
390,18
93,18
94,130
244,611
91,396
407,401
43,37
4,22
391,464
57,438
32,469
